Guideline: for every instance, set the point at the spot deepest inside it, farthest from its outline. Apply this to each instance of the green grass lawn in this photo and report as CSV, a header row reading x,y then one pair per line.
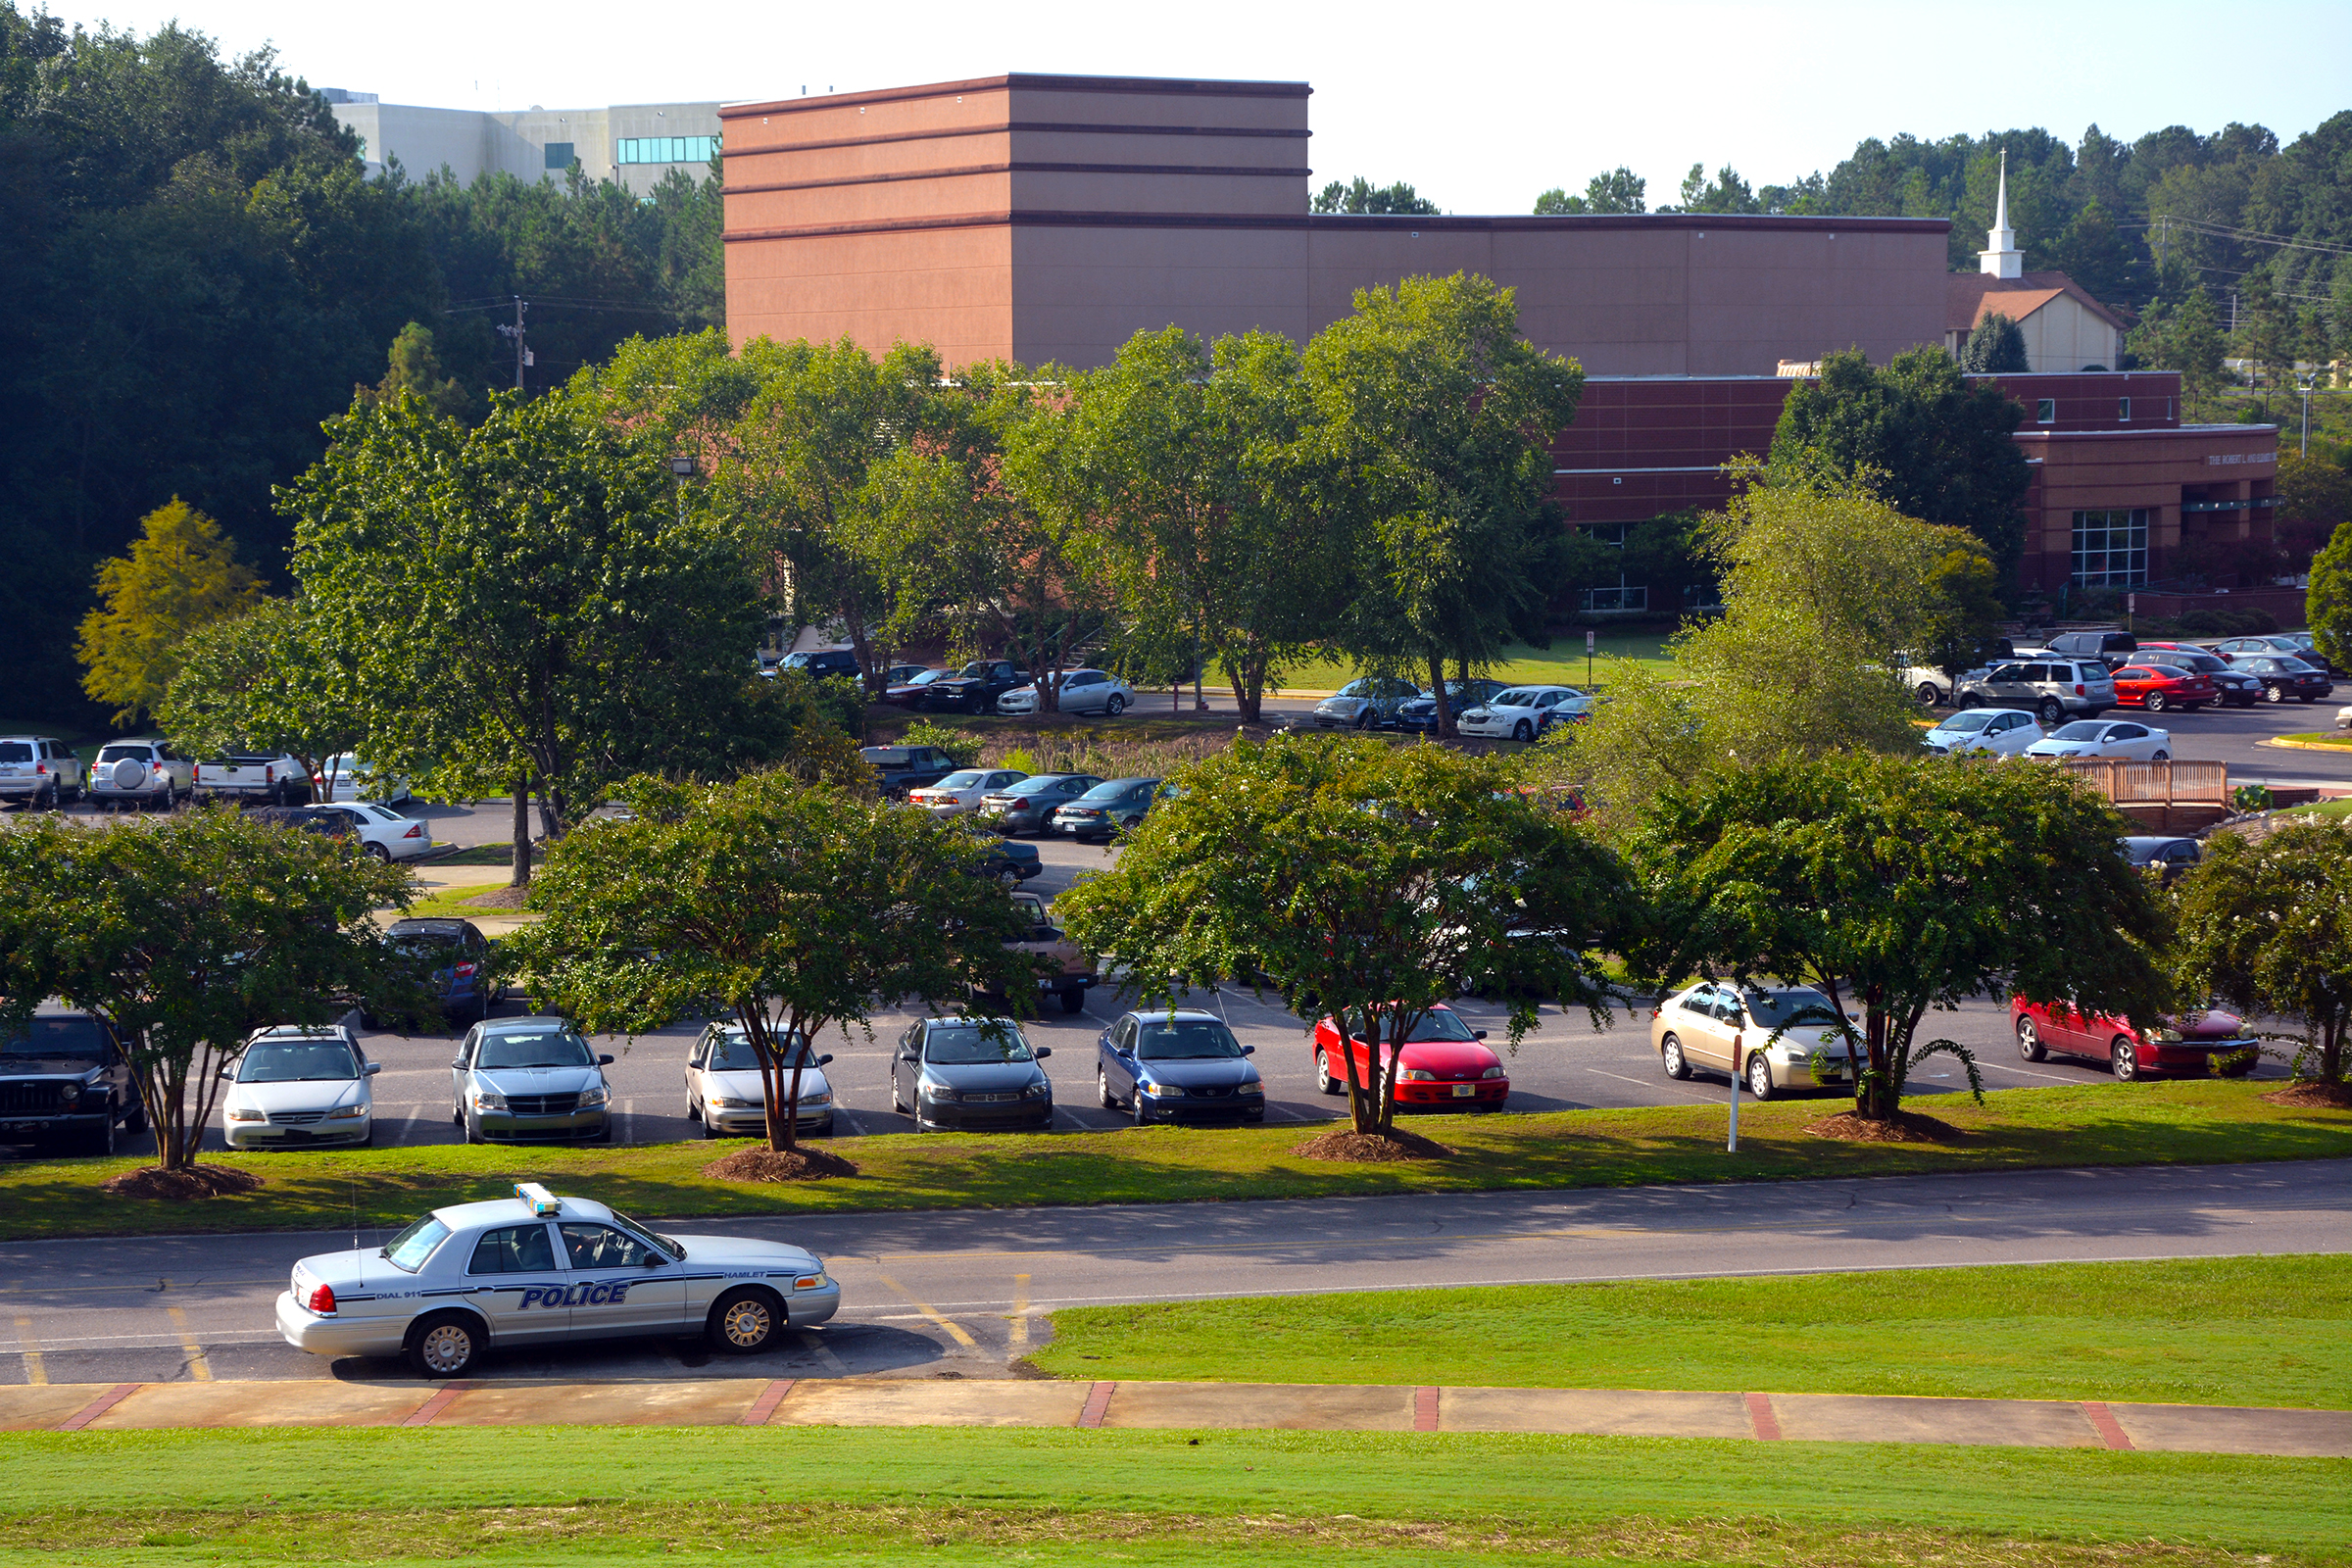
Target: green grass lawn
x,y
2200,1331
2322,737
992,1497
2190,1121
1560,664
458,904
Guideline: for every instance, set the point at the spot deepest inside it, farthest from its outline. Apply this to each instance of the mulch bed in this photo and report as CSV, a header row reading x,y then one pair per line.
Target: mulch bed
x,y
1375,1149
2313,1091
182,1186
505,898
760,1164
1908,1127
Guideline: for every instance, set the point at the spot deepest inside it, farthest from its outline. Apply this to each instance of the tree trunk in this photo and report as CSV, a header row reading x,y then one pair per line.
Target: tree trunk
x,y
522,838
1875,1091
1437,685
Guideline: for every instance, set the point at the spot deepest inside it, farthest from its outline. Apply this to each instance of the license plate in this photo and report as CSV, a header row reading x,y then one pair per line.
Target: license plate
x,y
1464,1091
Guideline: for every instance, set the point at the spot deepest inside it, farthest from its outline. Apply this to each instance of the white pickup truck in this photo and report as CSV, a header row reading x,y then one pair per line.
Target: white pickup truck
x,y
257,778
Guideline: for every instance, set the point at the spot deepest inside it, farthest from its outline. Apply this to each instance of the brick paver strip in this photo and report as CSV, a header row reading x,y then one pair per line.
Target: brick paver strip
x,y
1761,1416
1425,1409
97,1407
422,1415
2110,1433
1097,1403
765,1406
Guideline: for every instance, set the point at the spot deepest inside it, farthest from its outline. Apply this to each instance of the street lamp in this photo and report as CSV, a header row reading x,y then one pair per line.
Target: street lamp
x,y
681,469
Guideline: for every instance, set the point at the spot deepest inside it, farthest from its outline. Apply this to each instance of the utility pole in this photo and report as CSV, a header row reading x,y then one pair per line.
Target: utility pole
x,y
523,358
2303,381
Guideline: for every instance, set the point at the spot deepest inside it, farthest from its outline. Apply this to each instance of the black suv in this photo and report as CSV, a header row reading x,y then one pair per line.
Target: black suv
x,y
907,767
842,661
61,1081
2115,647
976,688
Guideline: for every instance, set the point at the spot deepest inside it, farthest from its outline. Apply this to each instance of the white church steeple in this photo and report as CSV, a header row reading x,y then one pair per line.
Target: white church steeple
x,y
2003,258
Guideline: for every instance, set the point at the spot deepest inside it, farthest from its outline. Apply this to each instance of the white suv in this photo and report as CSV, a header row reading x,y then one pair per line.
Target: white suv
x,y
140,773
41,771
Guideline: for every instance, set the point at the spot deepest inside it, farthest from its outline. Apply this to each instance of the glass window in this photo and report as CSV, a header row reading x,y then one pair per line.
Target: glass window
x,y
514,1249
594,1246
968,779
318,1061
1446,1025
14,752
559,155
2123,409
543,1047
2045,412
2081,729
69,1038
2111,548
411,1247
1187,1039
969,1043
1773,1009
1964,724
733,1053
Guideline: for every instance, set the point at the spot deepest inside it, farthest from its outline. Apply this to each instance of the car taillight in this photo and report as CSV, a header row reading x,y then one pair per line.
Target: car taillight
x,y
41,767
416,832
463,969
2078,691
270,773
323,1300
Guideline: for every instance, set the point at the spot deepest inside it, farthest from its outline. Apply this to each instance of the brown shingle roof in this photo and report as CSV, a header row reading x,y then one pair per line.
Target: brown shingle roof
x,y
1970,297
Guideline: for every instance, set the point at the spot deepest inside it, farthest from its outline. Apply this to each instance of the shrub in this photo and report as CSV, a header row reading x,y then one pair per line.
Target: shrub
x,y
2226,624
965,748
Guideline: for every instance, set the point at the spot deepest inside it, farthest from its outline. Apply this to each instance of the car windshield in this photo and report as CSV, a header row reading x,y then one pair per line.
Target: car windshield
x,y
412,1247
670,1244
2080,730
1187,1039
1772,1009
310,1061
733,1053
2292,665
976,671
74,1038
961,781
1442,1024
970,1044
541,1047
1966,723
1116,789
1044,784
1516,697
2141,852
888,755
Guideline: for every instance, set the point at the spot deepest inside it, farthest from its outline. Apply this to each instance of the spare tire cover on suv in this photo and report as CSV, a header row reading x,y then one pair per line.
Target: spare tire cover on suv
x,y
130,773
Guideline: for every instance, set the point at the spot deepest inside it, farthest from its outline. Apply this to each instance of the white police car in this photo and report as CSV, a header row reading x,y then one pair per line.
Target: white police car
x,y
536,1269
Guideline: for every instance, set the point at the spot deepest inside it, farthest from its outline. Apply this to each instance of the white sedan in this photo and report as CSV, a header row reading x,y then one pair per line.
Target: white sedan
x,y
1524,713
727,1094
539,1269
1082,691
383,832
2101,737
1998,731
959,794
297,1088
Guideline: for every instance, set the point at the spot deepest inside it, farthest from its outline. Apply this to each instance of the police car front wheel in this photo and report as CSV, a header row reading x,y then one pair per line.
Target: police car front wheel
x,y
744,1322
445,1345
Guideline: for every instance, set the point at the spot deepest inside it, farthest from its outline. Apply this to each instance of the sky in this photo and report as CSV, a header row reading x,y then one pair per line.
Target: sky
x,y
1480,109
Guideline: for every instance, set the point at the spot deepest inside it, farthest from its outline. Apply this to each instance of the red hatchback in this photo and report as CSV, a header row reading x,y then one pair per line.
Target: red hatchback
x,y
2180,1045
1444,1063
2158,687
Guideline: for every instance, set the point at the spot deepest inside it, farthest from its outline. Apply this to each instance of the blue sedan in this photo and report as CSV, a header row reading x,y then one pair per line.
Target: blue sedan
x,y
1164,1066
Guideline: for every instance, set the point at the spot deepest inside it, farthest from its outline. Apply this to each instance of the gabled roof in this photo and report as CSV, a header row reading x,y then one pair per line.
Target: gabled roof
x,y
1970,297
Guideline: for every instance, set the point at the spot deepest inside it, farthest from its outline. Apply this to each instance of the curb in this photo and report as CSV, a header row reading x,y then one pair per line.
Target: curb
x,y
2344,749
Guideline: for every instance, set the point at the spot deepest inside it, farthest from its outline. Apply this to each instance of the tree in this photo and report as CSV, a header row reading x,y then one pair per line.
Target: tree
x,y
2266,925
180,574
2095,256
1727,192
416,369
1620,190
1938,448
1362,196
1883,882
1430,448
1372,881
1996,346
182,937
274,678
2327,602
2187,338
797,910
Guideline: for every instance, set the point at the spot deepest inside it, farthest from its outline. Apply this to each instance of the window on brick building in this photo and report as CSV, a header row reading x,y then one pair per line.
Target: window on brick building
x,y
2111,548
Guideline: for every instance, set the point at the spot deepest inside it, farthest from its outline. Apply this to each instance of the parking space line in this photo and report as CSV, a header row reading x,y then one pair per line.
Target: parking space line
x,y
198,1367
1017,1333
628,1121
36,1370
955,1331
815,1343
1644,1082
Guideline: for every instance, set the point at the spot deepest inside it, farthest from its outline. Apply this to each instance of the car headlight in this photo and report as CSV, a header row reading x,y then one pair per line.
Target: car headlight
x,y
1493,1072
69,1093
597,1095
243,1114
730,1102
810,1282
346,1112
1252,1087
825,1098
1418,1075
2164,1033
932,1089
489,1099
1163,1090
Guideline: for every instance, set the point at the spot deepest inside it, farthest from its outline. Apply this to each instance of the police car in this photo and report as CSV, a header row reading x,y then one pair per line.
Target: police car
x,y
537,1268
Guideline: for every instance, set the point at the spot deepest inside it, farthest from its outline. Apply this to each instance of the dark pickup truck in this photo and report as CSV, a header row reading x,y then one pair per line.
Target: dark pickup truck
x,y
64,1084
907,767
974,689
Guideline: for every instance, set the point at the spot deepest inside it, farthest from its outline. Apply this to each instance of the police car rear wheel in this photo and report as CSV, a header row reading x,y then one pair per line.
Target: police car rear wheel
x,y
445,1345
745,1321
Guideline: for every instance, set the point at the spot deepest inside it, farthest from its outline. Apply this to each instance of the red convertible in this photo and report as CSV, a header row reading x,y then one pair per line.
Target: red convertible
x,y
1442,1063
2188,1044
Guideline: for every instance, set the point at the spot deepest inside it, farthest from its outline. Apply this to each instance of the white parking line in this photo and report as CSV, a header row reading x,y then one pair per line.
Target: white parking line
x,y
1644,1083
628,1121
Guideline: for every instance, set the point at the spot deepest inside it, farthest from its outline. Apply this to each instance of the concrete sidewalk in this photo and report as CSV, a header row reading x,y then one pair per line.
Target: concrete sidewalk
x,y
1181,1407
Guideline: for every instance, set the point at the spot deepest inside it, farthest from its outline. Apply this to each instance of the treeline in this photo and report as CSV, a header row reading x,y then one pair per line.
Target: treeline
x,y
199,274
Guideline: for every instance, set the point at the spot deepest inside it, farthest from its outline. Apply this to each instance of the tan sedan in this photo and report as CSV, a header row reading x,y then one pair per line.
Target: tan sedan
x,y
1765,1036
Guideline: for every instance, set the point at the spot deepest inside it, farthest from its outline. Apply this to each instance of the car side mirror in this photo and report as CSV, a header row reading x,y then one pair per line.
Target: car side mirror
x,y
655,1260
371,1069
229,1071
457,1063
822,1060
905,1056
604,1061
1248,1051
1478,1034
1043,1051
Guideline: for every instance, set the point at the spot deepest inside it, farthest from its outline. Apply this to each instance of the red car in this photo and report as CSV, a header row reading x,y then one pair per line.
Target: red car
x,y
2180,1045
2157,687
910,693
1443,1063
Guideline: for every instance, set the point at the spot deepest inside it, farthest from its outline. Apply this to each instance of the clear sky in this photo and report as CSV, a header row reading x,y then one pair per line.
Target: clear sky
x,y
1480,106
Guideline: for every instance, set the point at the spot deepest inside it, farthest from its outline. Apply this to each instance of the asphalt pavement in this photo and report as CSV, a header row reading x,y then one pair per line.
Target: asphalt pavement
x,y
965,1293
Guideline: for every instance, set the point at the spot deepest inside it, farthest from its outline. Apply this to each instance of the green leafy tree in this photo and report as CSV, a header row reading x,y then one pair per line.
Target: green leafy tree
x,y
180,574
1937,446
1375,880
2096,256
415,368
184,936
1996,346
1727,192
1620,190
1877,880
1361,195
2187,338
1431,450
274,678
2327,602
2265,926
1965,619
797,910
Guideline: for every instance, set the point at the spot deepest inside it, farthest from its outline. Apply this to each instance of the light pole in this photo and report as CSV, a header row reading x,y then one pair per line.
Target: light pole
x,y
2303,381
681,469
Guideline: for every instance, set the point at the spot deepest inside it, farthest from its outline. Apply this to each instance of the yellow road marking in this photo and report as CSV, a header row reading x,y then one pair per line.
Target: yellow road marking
x,y
954,1330
198,1367
824,1352
1019,1332
36,1370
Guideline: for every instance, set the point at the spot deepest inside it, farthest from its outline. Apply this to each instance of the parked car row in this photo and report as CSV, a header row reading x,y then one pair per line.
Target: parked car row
x,y
998,686
2085,673
1487,709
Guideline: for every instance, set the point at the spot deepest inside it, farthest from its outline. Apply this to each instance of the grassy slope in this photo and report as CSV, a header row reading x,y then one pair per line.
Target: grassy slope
x,y
2193,1121
1562,664
993,1496
2201,1331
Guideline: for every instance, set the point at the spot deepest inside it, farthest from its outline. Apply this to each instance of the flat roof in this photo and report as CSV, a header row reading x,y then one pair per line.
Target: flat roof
x,y
1029,82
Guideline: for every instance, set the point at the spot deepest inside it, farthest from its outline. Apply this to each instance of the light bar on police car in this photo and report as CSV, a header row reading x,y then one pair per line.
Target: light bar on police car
x,y
537,1199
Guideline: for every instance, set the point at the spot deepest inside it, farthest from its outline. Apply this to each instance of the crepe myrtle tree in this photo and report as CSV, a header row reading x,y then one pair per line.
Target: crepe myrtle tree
x,y
1898,885
1376,880
2266,925
792,908
183,936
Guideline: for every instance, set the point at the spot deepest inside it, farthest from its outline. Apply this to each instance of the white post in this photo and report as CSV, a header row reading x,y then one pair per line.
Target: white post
x,y
1733,1147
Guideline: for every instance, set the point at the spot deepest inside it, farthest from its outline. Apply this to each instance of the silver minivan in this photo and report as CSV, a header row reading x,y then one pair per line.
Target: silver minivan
x,y
2050,689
